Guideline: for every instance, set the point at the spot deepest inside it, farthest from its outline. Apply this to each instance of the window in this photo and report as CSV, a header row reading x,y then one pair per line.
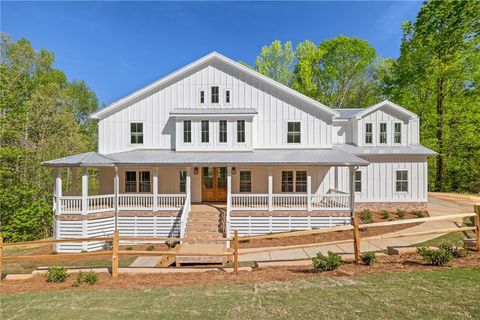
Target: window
x,y
144,183
401,181
240,130
293,135
357,181
187,131
287,181
245,181
227,96
215,95
205,131
202,96
368,133
383,132
397,138
136,133
301,181
130,181
223,130
183,181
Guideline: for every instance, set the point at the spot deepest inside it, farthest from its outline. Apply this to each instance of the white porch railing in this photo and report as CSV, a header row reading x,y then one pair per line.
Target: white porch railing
x,y
184,218
290,202
135,202
71,205
170,201
102,203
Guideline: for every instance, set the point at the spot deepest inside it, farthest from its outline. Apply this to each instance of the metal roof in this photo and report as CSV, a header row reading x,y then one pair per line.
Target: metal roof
x,y
86,159
348,113
386,150
207,111
257,157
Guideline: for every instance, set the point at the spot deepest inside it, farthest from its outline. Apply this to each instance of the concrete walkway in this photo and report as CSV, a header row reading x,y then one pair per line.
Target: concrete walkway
x,y
439,205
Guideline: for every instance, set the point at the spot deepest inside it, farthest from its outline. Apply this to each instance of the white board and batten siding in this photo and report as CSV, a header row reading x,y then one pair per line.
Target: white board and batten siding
x,y
267,130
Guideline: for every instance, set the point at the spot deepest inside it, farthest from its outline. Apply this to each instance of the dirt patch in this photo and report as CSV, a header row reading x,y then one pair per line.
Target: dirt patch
x,y
387,264
323,237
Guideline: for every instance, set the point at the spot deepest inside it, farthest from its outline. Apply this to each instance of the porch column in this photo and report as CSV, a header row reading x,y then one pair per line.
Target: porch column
x,y
188,184
351,173
309,191
270,189
155,189
229,201
116,189
58,205
73,171
84,190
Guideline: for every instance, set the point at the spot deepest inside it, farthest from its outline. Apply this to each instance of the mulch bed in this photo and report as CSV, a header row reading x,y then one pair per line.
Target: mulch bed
x,y
386,264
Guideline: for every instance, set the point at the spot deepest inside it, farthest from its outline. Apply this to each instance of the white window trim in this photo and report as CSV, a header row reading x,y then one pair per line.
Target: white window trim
x,y
294,180
364,136
395,181
361,181
240,181
219,94
380,132
286,133
210,138
401,133
137,181
144,127
183,132
219,135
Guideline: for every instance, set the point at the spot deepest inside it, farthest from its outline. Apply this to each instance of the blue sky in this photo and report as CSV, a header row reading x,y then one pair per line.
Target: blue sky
x,y
118,47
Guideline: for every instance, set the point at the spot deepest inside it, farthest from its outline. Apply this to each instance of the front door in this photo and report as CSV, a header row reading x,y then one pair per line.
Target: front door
x,y
214,184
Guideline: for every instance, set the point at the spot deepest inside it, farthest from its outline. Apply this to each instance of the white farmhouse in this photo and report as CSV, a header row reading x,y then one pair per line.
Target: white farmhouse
x,y
266,157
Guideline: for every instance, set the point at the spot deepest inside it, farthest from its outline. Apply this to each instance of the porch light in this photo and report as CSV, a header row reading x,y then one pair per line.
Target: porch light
x,y
234,170
195,170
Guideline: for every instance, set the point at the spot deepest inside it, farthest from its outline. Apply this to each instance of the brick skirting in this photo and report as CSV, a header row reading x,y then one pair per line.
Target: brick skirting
x,y
391,206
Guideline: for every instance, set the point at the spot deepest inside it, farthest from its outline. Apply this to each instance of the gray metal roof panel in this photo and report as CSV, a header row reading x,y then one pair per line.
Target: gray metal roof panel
x,y
82,159
386,150
348,113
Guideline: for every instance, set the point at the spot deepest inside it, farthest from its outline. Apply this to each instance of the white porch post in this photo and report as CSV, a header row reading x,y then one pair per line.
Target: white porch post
x,y
351,171
270,189
58,204
116,185
309,190
155,189
73,171
84,206
188,184
229,201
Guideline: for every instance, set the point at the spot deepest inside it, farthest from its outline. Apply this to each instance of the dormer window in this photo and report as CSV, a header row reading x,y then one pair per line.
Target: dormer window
x,y
383,133
368,133
223,131
202,96
205,131
241,131
136,133
293,134
215,94
227,96
397,135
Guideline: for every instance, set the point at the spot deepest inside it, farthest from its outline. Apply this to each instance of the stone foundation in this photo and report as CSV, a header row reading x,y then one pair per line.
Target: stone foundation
x,y
391,206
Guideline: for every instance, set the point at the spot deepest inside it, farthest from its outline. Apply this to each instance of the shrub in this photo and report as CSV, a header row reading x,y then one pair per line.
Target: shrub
x,y
435,257
400,213
369,258
418,214
326,263
91,277
56,274
456,252
385,214
366,216
151,247
78,280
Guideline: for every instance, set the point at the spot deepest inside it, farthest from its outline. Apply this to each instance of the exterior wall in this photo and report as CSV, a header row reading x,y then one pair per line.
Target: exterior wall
x,y
268,127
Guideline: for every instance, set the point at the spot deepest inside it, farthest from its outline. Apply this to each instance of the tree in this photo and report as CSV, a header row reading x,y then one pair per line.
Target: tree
x,y
276,61
437,76
42,116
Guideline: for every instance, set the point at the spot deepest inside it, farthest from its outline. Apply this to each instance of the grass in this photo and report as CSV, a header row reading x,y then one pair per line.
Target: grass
x,y
440,294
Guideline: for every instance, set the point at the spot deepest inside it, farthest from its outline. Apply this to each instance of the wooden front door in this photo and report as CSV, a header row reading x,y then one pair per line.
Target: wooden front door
x,y
214,184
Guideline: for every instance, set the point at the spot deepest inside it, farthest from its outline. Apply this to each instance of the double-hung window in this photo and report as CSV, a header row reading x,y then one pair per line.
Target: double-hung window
x,y
205,131
287,181
383,133
401,181
130,181
293,134
240,130
357,181
144,182
137,181
301,181
368,133
245,181
397,135
222,128
187,131
183,181
215,94
136,133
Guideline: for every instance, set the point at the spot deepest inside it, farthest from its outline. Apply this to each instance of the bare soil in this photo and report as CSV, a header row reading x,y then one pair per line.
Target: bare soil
x,y
385,264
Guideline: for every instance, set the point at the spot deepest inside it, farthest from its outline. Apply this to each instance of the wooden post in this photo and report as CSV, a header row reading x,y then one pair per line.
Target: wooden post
x,y
1,254
235,252
116,243
356,238
476,208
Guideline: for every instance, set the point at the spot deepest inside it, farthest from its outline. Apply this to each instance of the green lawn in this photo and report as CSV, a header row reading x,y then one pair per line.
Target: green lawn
x,y
442,294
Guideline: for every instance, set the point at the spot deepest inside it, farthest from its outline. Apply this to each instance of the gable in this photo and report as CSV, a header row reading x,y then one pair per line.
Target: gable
x,y
211,70
389,108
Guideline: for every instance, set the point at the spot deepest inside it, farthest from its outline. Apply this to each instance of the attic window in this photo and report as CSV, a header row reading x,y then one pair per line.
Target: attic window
x,y
227,96
202,96
136,133
215,94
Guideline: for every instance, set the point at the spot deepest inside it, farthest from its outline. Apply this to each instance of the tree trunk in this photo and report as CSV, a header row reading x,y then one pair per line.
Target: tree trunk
x,y
439,183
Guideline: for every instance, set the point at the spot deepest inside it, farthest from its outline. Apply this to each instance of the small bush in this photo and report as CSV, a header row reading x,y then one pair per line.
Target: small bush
x,y
56,274
78,280
456,252
129,248
91,278
435,257
400,213
366,216
151,247
368,258
418,214
385,214
326,263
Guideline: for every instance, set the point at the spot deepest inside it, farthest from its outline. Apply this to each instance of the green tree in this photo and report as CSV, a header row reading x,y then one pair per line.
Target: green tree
x,y
42,116
437,76
276,61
